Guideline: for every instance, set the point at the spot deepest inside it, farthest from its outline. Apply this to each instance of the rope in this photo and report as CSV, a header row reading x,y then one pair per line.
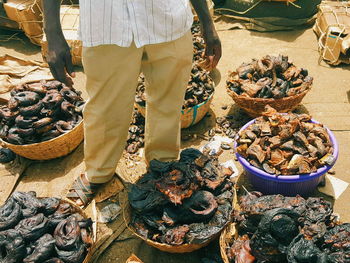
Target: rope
x,y
326,49
255,5
240,12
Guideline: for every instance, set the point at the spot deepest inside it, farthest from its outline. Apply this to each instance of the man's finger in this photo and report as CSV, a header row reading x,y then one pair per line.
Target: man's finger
x,y
217,56
211,59
61,73
205,64
69,65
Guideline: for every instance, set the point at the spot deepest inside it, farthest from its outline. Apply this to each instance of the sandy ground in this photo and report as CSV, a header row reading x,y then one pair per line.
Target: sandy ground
x,y
327,102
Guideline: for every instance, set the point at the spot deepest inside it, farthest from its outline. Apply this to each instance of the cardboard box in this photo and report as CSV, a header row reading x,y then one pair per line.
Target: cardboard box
x,y
333,30
27,13
70,25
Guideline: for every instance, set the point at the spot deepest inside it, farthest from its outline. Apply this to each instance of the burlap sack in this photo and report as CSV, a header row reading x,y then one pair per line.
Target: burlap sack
x,y
28,14
265,16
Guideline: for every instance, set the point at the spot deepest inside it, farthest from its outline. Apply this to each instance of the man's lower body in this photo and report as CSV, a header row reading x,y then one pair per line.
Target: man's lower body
x,y
112,74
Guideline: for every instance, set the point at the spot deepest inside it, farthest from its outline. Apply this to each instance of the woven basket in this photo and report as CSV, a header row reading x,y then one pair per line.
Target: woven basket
x,y
227,235
185,248
190,116
255,107
54,148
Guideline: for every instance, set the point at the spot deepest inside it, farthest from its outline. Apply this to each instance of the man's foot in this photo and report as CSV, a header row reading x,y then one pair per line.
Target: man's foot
x,y
82,191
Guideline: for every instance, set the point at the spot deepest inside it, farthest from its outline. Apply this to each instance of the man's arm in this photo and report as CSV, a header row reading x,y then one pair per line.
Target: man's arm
x,y
58,57
211,38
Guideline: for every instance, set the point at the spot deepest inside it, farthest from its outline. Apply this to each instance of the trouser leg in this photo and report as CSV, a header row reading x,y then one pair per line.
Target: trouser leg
x,y
167,71
111,73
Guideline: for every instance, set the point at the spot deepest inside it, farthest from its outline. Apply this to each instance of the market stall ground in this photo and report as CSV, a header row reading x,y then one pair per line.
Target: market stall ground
x,y
328,102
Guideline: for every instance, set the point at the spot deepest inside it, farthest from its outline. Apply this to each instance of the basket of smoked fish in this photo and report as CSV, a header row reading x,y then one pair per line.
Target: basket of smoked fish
x,y
42,121
198,97
43,230
285,153
276,229
180,206
272,81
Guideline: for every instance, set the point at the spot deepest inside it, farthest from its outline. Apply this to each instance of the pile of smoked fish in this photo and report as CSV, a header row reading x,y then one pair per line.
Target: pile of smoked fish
x,y
275,229
42,230
39,112
182,202
286,144
198,42
269,77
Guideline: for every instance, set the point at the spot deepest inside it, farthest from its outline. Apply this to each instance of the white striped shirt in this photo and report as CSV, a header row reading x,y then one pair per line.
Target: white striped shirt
x,y
121,22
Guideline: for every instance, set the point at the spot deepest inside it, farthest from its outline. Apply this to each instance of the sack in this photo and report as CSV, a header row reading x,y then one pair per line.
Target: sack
x,y
28,14
70,26
5,22
333,30
299,9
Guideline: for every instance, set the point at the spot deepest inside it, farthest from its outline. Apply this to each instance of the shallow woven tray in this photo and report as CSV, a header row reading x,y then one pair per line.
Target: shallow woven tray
x,y
256,106
54,148
230,232
184,248
190,116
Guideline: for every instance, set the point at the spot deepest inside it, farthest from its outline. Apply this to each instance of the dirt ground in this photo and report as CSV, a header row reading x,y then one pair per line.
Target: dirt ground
x,y
327,102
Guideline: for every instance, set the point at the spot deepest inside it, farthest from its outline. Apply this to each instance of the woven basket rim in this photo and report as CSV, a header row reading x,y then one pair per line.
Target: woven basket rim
x,y
267,100
223,235
44,142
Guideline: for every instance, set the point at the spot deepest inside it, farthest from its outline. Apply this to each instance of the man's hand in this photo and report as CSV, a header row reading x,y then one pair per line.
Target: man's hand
x,y
58,57
211,38
60,61
212,50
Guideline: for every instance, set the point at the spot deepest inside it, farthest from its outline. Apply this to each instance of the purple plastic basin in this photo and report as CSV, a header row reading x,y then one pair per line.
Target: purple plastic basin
x,y
289,185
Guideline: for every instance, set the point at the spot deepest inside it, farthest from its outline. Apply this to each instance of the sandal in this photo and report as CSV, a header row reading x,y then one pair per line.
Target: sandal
x,y
82,190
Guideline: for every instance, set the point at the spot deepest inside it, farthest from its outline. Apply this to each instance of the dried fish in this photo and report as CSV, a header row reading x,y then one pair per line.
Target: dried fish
x,y
256,152
291,147
34,109
28,202
76,255
6,155
63,211
44,248
36,239
182,201
12,246
67,234
269,77
33,227
10,214
276,228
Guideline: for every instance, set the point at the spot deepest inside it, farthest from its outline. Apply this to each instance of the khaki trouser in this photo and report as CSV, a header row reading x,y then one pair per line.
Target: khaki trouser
x,y
112,74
